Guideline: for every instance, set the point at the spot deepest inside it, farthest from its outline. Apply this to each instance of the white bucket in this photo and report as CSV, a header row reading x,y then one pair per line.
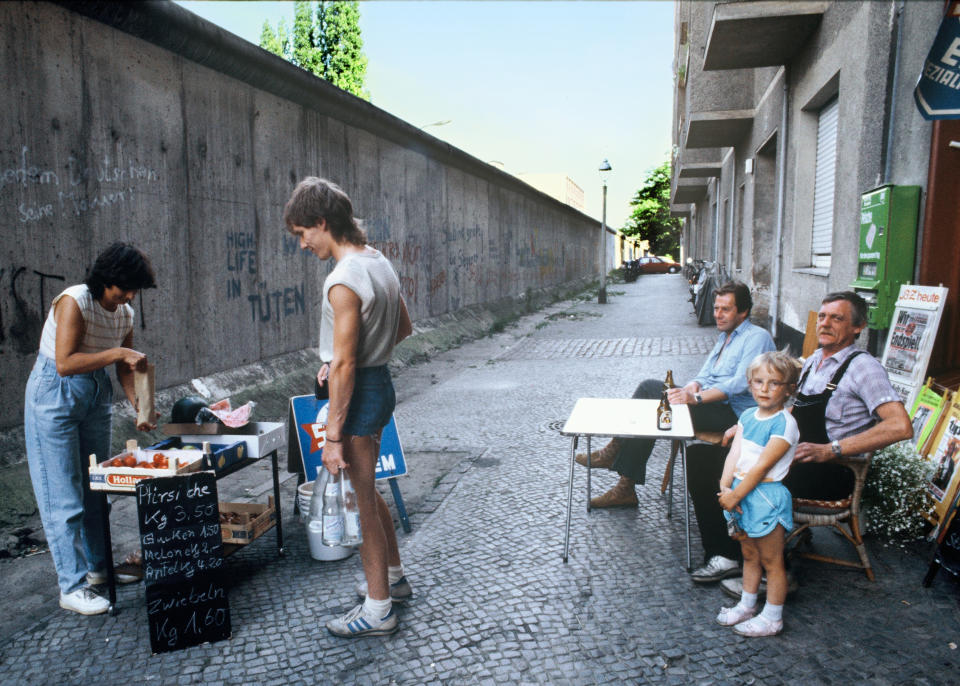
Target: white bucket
x,y
304,495
318,551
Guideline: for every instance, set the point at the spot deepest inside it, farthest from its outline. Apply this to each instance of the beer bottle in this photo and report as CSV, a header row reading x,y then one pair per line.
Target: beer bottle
x,y
668,382
664,413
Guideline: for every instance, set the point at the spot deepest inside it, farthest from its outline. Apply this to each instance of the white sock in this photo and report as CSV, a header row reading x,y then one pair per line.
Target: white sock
x,y
772,612
394,574
377,608
747,599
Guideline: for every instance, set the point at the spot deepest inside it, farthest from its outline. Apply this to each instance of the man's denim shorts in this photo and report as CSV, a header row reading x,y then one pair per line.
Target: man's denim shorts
x,y
372,402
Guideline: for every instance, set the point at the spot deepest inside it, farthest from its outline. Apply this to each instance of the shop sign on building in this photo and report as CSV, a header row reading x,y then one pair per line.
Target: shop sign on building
x,y
938,90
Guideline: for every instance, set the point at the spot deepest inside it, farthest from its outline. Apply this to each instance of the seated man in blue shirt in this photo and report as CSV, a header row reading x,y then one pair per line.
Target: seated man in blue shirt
x,y
716,396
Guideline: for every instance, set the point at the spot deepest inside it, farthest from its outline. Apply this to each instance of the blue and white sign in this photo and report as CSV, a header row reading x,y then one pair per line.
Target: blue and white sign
x,y
310,416
938,90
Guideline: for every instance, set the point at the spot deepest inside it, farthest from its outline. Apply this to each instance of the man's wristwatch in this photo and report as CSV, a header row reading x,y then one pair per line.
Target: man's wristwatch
x,y
698,398
835,446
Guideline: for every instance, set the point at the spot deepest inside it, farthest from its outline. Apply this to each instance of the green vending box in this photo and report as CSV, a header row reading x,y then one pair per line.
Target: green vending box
x,y
888,236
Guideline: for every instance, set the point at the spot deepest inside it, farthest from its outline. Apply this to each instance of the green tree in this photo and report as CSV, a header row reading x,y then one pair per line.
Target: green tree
x,y
325,40
650,219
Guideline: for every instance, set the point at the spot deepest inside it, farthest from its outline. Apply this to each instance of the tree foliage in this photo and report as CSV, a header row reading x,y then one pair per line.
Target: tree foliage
x,y
650,219
325,40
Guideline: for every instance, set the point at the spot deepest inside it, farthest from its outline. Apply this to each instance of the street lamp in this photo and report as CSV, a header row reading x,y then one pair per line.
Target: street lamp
x,y
605,170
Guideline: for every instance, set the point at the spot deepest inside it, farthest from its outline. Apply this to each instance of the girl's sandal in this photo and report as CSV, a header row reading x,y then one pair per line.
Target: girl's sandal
x,y
734,615
759,626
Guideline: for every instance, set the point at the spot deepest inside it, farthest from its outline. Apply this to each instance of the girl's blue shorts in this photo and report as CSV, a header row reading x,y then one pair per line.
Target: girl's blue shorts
x,y
767,505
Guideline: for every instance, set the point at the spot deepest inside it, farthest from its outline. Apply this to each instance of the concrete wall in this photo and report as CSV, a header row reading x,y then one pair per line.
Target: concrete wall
x,y
142,122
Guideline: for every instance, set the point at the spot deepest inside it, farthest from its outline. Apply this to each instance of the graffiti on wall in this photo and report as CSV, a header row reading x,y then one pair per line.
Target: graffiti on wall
x,y
77,189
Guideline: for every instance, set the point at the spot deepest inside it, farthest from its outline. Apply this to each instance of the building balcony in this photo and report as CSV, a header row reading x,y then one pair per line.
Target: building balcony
x,y
699,170
687,191
722,129
760,33
681,210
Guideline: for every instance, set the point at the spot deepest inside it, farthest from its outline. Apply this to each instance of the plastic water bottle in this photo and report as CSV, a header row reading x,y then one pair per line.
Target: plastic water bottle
x,y
351,512
333,520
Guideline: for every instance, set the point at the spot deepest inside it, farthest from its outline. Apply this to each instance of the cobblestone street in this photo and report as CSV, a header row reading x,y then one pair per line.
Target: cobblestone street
x,y
493,602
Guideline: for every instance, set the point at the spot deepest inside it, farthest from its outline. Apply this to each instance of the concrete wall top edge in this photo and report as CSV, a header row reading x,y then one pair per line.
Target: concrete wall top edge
x,y
178,30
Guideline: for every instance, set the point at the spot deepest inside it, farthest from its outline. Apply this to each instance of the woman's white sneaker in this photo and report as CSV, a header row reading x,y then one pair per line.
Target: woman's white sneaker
x,y
84,601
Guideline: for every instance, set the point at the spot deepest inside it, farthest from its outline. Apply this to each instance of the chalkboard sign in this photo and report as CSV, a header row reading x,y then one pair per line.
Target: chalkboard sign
x,y
182,547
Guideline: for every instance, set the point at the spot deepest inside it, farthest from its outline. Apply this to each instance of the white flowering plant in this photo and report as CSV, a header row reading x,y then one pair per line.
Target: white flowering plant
x,y
895,495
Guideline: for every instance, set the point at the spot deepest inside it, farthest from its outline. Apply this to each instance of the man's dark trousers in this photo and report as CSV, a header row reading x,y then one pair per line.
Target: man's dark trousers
x,y
704,468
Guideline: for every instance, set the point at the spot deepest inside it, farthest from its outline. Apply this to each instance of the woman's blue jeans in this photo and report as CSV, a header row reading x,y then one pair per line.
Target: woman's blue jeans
x,y
66,419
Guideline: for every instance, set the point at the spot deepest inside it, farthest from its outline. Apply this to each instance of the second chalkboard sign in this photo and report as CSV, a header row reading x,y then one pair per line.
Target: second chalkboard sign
x,y
182,547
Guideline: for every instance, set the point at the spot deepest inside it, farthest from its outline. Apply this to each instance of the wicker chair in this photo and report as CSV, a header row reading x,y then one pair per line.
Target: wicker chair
x,y
808,513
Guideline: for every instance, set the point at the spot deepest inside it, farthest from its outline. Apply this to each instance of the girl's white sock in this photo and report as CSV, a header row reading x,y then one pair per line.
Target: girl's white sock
x,y
772,612
394,574
747,599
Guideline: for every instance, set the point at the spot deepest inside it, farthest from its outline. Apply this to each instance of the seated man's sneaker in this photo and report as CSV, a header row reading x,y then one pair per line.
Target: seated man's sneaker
x,y
733,586
399,592
357,623
84,601
601,459
717,568
759,626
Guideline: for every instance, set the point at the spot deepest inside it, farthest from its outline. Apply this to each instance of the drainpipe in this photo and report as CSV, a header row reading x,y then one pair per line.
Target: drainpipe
x,y
888,161
730,227
781,209
716,220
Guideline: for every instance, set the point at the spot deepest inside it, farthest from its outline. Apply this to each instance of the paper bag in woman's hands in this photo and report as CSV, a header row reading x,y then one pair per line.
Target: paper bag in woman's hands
x,y
144,383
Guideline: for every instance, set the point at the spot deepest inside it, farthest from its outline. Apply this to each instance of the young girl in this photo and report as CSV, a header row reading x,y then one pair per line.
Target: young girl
x,y
757,505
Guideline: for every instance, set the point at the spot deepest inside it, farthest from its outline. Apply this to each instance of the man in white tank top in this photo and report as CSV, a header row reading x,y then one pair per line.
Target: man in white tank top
x,y
363,317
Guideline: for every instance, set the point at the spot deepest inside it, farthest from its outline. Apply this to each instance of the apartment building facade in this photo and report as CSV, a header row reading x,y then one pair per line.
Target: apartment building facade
x,y
785,115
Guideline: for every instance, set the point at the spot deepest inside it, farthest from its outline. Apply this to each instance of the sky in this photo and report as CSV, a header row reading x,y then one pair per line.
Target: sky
x,y
532,87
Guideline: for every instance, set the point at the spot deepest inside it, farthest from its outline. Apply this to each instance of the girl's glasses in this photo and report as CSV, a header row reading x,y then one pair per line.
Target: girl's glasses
x,y
760,383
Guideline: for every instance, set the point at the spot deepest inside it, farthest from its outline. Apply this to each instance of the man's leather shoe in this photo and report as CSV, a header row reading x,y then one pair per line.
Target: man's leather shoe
x,y
601,459
622,495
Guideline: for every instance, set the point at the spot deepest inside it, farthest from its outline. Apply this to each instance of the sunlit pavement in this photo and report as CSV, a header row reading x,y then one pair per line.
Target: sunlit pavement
x,y
493,602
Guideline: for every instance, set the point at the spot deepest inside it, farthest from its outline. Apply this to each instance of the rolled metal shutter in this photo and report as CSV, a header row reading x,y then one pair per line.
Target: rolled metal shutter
x,y
824,183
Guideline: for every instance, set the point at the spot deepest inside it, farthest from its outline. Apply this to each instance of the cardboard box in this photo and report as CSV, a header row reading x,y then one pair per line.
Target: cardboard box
x,y
126,478
250,523
261,438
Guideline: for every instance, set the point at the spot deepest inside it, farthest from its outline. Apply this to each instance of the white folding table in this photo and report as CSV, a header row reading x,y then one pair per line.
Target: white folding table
x,y
625,418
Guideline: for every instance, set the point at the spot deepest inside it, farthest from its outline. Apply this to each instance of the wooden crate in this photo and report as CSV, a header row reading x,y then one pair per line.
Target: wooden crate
x,y
254,519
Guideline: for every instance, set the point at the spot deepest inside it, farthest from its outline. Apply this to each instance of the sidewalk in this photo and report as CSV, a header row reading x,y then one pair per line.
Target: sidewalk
x,y
493,603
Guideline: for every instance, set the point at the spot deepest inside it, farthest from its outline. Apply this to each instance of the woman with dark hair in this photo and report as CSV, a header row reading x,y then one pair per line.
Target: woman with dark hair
x,y
67,413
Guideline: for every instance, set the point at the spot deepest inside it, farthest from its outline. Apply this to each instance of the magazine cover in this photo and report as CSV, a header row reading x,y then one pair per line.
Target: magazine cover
x,y
924,415
943,483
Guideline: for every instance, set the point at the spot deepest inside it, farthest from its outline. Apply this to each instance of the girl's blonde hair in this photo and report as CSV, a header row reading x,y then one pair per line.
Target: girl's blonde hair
x,y
780,361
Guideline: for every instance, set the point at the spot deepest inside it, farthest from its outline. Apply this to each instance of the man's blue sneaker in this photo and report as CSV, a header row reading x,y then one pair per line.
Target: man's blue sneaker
x,y
357,623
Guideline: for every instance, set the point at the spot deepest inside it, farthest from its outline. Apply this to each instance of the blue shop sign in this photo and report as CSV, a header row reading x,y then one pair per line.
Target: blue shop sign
x,y
938,90
310,416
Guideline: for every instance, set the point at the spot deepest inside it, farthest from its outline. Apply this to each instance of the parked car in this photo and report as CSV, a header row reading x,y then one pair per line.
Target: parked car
x,y
657,265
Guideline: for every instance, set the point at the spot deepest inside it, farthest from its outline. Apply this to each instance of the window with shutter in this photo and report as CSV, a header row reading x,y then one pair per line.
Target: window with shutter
x,y
824,182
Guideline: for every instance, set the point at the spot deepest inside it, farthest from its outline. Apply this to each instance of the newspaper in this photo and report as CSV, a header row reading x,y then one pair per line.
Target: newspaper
x,y
906,339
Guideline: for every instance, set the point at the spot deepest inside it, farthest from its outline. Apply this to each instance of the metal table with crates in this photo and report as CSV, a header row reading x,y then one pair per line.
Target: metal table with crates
x,y
262,437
